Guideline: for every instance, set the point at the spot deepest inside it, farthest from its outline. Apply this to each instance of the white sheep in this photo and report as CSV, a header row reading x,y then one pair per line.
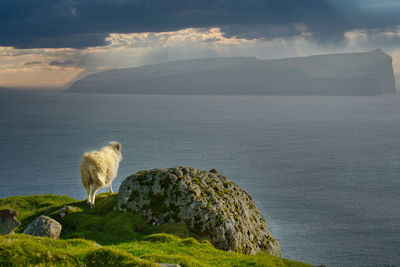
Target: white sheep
x,y
99,168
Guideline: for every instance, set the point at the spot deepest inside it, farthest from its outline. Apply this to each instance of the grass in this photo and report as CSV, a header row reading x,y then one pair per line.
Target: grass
x,y
30,207
25,250
190,252
125,239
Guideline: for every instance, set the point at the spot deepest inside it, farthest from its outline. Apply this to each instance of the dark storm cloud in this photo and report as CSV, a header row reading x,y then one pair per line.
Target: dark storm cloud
x,y
86,23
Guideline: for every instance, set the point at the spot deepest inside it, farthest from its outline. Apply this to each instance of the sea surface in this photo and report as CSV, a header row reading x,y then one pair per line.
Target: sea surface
x,y
324,171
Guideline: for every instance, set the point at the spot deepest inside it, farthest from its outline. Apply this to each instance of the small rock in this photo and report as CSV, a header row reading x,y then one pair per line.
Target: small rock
x,y
8,221
169,265
64,211
44,226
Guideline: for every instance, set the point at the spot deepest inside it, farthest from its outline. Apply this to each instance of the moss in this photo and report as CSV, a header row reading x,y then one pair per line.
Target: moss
x,y
134,195
103,224
196,181
147,182
220,193
211,200
177,192
139,176
164,238
251,205
188,242
178,229
157,204
197,225
114,257
208,231
173,213
165,184
182,260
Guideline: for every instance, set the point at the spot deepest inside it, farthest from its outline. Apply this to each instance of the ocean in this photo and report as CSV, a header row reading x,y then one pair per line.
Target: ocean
x,y
324,171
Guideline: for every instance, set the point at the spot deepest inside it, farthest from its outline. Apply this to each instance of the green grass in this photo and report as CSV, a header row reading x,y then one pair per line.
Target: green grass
x,y
190,252
126,239
30,207
25,250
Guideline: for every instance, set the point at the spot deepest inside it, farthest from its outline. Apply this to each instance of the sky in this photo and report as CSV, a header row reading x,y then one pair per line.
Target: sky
x,y
51,43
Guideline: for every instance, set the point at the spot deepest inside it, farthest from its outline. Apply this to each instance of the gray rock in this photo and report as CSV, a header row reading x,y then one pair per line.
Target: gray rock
x,y
8,221
64,211
44,226
207,202
169,265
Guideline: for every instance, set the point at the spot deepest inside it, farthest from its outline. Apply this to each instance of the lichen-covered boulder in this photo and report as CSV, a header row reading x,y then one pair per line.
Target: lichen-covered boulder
x,y
206,201
8,221
44,226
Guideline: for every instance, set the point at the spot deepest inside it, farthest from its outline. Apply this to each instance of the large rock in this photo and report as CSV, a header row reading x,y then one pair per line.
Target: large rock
x,y
44,226
8,221
209,203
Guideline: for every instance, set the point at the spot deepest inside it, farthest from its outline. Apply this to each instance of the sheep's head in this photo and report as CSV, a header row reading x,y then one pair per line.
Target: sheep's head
x,y
117,146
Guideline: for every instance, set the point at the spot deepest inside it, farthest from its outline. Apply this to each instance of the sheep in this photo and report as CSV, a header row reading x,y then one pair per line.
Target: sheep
x,y
99,168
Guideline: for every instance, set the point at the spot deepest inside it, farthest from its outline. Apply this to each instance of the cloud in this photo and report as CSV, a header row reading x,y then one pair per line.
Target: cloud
x,y
62,63
37,77
32,63
89,23
181,37
131,50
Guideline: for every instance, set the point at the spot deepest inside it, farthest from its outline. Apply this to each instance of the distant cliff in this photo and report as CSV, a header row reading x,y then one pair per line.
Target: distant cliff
x,y
368,73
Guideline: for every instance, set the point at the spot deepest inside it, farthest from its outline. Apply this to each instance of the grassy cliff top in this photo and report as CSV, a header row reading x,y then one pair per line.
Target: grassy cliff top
x,y
105,236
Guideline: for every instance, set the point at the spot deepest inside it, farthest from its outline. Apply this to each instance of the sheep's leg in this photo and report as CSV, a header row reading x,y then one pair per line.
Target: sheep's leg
x,y
110,189
88,195
85,176
95,189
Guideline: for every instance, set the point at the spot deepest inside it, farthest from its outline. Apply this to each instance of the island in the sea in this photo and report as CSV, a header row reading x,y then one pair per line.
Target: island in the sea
x,y
367,73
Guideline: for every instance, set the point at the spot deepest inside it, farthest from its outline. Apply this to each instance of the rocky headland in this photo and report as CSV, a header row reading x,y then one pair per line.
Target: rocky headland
x,y
181,216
